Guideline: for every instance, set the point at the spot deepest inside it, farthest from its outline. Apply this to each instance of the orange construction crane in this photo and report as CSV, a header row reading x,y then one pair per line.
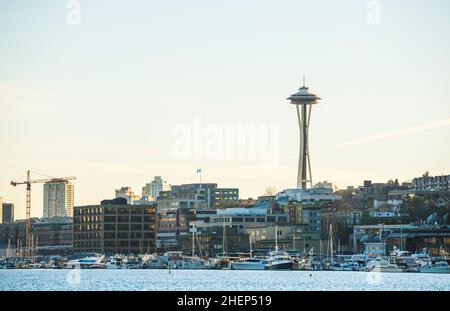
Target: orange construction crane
x,y
28,183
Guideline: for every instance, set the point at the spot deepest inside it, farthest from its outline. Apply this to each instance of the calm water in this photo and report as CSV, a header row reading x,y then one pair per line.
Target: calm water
x,y
213,280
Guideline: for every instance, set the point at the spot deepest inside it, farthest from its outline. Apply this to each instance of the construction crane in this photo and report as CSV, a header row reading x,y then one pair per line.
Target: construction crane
x,y
28,183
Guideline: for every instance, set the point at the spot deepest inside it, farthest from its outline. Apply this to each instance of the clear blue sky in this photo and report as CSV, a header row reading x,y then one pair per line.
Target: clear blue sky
x,y
99,100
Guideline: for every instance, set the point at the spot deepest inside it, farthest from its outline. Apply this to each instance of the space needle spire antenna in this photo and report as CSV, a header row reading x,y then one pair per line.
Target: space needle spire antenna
x,y
304,100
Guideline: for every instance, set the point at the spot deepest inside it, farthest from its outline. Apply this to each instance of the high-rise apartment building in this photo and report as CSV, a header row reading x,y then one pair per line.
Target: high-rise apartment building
x,y
152,189
6,213
127,193
58,199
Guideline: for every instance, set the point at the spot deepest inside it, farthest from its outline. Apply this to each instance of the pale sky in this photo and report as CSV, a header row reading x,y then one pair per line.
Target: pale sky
x,y
100,100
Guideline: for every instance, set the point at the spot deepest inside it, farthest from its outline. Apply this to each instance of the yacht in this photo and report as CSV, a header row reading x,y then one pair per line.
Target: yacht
x,y
383,265
280,260
170,260
189,262
422,258
85,262
114,263
438,267
405,260
251,264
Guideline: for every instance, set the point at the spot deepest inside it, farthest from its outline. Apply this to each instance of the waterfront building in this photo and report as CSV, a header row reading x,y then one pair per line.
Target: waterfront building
x,y
115,226
375,249
348,217
53,235
152,189
383,214
225,197
175,222
370,193
435,239
294,210
127,193
289,237
311,216
374,234
212,241
242,219
12,234
58,199
309,196
435,183
204,195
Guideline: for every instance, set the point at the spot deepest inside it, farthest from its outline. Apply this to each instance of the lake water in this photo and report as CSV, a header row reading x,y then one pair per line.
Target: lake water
x,y
218,280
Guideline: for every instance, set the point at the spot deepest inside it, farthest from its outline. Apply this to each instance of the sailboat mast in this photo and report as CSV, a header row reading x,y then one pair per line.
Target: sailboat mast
x,y
276,238
193,241
293,240
401,238
223,236
320,247
331,244
8,249
250,243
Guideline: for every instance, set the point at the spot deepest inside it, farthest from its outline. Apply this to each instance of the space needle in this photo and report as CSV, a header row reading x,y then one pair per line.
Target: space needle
x,y
304,100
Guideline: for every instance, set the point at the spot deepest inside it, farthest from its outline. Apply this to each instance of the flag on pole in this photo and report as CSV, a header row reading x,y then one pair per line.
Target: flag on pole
x,y
199,171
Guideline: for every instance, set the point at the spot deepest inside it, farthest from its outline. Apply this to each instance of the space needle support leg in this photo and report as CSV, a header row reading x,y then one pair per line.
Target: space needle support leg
x,y
307,148
300,160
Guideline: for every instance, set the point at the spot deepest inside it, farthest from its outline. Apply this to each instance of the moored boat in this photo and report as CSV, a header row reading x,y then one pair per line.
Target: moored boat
x,y
383,265
437,267
280,260
251,264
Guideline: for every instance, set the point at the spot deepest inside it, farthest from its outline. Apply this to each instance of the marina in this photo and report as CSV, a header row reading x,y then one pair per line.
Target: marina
x,y
397,262
217,280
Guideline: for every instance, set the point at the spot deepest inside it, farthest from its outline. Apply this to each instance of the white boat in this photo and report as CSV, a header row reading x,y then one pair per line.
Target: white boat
x,y
251,264
422,258
85,262
280,260
383,265
438,267
189,262
132,264
114,263
34,266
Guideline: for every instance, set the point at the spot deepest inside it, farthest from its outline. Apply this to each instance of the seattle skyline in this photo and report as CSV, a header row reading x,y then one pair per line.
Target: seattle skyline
x,y
97,100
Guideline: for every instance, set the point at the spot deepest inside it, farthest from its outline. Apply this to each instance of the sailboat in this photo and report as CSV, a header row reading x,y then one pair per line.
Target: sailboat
x,y
193,261
8,250
222,261
332,265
